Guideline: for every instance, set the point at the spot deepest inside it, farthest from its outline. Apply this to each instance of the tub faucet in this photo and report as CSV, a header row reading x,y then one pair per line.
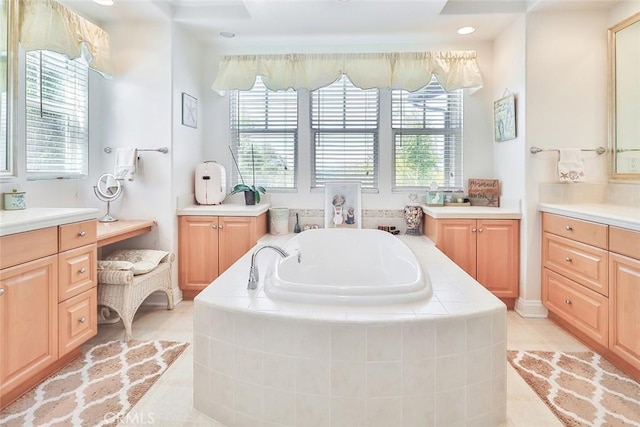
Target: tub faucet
x,y
254,275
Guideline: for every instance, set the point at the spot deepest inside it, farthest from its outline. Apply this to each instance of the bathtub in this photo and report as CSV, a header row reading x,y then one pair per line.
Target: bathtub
x,y
352,266
263,360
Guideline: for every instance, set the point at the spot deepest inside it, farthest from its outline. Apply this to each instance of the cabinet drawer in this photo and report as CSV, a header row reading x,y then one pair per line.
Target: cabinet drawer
x,y
587,232
28,246
77,271
77,320
582,263
625,242
77,234
586,310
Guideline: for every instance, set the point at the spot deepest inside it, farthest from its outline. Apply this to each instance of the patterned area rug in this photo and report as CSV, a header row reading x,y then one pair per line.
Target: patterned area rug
x,y
96,389
582,389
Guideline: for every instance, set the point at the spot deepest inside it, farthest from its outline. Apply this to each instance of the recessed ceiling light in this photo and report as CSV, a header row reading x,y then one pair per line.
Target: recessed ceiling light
x,y
466,30
227,34
104,2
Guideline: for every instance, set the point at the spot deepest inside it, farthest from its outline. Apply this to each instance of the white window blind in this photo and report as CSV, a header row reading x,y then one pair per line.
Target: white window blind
x,y
427,137
264,132
344,127
56,116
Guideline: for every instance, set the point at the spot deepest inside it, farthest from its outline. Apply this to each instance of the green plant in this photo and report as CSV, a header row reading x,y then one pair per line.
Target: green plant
x,y
241,188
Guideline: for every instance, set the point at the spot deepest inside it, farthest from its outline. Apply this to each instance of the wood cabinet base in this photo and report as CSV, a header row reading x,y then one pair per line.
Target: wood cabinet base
x,y
190,294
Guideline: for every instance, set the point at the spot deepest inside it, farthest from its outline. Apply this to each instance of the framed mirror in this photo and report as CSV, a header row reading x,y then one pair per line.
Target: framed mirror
x,y
624,102
8,83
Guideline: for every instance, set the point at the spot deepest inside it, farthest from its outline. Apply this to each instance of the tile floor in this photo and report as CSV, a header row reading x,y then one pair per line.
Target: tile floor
x,y
169,403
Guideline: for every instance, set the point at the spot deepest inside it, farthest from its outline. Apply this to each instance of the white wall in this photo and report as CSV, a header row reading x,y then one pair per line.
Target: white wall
x,y
478,133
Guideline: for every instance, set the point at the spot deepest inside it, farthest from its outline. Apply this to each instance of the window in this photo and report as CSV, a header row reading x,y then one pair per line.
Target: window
x,y
57,116
344,128
427,137
264,134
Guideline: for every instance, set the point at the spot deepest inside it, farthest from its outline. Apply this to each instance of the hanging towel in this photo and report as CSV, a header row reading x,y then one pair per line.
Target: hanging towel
x,y
570,166
126,159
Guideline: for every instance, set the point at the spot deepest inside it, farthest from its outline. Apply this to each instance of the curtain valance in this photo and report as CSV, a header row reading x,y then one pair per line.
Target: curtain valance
x,y
47,25
410,71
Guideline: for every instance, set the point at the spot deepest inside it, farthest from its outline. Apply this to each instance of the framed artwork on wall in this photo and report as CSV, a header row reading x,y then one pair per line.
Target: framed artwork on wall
x,y
342,205
189,111
504,118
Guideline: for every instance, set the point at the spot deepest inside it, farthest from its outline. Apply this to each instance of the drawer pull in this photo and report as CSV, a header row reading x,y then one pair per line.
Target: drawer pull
x,y
473,230
480,230
82,270
568,259
82,233
220,226
568,228
567,301
1,292
214,226
82,319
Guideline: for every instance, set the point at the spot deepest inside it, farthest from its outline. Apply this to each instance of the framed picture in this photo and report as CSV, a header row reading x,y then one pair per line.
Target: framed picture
x,y
504,118
189,111
342,205
435,198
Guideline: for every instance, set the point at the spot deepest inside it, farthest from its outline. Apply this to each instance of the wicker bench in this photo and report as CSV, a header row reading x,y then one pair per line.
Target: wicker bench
x,y
123,292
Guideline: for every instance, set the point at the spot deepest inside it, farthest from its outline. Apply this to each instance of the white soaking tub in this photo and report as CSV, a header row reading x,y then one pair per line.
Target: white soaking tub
x,y
351,266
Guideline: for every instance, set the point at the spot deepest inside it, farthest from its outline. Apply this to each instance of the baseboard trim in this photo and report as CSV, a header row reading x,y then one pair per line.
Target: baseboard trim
x,y
530,308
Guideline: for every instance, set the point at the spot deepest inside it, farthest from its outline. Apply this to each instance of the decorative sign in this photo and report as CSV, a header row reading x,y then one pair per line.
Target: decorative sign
x,y
484,192
504,118
189,111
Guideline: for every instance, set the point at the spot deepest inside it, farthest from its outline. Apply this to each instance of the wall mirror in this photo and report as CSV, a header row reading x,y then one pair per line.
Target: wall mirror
x,y
8,64
624,103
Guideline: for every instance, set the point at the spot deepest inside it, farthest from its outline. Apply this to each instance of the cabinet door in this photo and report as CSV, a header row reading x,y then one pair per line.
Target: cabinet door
x,y
237,236
28,320
624,315
77,271
498,256
78,320
197,251
457,240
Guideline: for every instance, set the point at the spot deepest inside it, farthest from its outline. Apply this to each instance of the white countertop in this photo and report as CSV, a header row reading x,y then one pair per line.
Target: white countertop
x,y
616,215
34,218
479,212
227,209
455,293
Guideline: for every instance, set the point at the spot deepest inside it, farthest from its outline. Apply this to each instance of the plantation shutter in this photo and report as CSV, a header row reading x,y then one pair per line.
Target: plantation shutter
x,y
427,136
264,133
344,126
56,116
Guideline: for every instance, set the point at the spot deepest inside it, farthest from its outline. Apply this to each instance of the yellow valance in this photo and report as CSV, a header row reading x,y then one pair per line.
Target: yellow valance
x,y
47,25
410,71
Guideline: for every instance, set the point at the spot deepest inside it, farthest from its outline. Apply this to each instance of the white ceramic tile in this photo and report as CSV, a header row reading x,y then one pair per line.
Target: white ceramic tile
x,y
498,327
221,357
478,332
279,406
201,388
247,398
418,376
221,389
248,365
222,414
450,408
451,295
479,399
477,361
248,331
348,342
201,349
451,337
264,304
433,307
313,411
450,372
499,360
348,379
244,420
313,376
418,340
384,412
384,379
201,316
384,343
279,372
221,326
313,340
348,412
485,420
459,307
499,390
280,336
418,410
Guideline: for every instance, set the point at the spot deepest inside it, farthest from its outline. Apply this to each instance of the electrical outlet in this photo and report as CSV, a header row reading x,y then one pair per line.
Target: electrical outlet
x,y
634,164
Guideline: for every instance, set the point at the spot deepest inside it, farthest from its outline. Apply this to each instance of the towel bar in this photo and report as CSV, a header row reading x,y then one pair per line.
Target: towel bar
x,y
535,150
163,150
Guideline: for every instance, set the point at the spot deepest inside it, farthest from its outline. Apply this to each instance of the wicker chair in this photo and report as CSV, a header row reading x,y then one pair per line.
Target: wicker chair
x,y
123,292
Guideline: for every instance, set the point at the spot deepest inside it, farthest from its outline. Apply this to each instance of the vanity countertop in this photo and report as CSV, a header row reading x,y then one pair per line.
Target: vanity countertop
x,y
616,215
225,209
29,219
476,212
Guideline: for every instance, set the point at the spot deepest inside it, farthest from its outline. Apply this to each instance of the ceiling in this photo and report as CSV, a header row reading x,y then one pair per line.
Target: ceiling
x,y
339,21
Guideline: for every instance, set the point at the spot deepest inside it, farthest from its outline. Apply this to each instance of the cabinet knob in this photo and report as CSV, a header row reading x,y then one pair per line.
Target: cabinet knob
x,y
82,270
220,226
473,230
82,233
567,301
568,228
480,230
82,319
568,259
1,292
214,226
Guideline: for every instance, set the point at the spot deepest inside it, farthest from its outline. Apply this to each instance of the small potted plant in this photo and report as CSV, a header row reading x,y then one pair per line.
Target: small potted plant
x,y
251,192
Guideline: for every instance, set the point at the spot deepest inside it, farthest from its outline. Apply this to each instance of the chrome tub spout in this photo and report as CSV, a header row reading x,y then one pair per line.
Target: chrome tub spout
x,y
254,274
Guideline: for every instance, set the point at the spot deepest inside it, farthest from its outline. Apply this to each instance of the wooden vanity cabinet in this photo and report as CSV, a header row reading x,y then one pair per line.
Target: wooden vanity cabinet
x,y
487,249
208,245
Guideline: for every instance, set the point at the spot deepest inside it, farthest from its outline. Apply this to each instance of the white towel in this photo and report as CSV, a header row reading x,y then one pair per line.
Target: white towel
x,y
126,162
570,166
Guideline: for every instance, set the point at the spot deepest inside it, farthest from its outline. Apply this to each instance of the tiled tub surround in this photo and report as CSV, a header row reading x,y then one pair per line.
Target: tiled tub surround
x,y
260,361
